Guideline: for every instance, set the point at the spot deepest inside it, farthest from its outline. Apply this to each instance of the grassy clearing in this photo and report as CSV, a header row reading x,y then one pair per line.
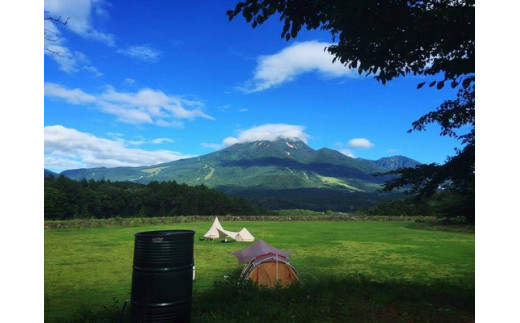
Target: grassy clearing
x,y
379,268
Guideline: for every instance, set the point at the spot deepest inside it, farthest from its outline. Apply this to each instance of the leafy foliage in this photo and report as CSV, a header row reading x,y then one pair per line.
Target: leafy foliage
x,y
457,174
68,199
447,205
384,38
398,207
453,114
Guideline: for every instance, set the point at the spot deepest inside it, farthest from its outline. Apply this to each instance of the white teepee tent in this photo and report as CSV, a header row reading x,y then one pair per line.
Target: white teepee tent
x,y
217,231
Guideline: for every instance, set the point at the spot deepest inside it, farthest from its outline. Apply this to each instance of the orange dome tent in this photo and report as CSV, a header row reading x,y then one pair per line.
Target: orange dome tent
x,y
266,265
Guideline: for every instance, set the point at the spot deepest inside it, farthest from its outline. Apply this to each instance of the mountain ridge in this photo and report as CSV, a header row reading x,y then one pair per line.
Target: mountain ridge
x,y
279,164
280,174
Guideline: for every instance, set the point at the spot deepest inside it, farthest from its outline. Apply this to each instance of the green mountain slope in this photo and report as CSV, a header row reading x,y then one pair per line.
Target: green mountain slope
x,y
274,174
394,162
47,173
280,164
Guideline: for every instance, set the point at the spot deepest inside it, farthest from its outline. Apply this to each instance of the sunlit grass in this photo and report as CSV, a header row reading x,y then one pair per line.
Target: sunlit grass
x,y
93,267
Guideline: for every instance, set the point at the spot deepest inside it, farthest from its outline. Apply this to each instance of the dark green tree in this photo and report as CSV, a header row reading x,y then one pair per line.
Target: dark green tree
x,y
69,199
394,38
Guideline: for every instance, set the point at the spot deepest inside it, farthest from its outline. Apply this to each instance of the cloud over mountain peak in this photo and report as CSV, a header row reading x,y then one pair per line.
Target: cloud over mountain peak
x,y
268,132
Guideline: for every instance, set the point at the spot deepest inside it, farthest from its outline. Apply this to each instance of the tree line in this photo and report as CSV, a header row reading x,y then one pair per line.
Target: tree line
x,y
66,199
442,204
69,199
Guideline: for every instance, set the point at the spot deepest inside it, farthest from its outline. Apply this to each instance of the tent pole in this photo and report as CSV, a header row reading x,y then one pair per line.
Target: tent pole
x,y
276,267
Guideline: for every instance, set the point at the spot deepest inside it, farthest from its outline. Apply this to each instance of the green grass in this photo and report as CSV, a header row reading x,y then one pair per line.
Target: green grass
x,y
408,273
350,298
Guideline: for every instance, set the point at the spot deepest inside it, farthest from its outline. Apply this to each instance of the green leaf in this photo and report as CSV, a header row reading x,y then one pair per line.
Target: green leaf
x,y
440,85
420,85
432,83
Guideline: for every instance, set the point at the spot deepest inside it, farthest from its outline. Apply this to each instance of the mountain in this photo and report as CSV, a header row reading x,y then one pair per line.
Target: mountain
x,y
394,162
267,169
47,173
280,164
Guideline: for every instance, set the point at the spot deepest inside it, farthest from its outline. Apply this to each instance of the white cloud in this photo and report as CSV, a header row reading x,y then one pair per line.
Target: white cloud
x,y
268,132
69,61
54,48
347,152
210,145
66,148
143,53
144,106
126,114
299,58
170,123
75,96
138,140
65,59
161,140
129,81
92,70
360,143
78,13
355,143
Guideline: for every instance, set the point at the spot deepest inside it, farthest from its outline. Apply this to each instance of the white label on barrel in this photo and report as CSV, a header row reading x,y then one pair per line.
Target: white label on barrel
x,y
157,239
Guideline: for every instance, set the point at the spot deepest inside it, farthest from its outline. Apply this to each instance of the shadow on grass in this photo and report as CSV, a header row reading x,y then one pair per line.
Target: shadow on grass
x,y
99,314
446,226
335,299
327,299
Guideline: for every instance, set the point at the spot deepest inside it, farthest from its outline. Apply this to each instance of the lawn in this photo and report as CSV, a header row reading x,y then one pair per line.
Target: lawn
x,y
91,268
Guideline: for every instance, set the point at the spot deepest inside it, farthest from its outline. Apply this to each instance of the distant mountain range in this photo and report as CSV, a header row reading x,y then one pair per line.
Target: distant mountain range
x,y
394,162
268,169
47,172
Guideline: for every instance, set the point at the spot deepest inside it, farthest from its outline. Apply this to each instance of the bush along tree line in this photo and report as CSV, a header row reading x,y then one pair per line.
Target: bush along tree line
x,y
447,205
69,199
391,39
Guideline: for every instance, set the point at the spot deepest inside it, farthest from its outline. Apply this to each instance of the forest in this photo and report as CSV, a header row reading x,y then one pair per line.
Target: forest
x,y
66,199
69,199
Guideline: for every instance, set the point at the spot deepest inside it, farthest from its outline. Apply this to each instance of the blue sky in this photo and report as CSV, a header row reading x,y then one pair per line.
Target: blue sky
x,y
145,82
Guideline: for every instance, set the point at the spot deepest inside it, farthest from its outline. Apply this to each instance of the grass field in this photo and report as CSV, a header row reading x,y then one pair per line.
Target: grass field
x,y
379,271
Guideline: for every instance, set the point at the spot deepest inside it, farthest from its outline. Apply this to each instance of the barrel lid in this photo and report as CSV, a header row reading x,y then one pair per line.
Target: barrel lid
x,y
160,233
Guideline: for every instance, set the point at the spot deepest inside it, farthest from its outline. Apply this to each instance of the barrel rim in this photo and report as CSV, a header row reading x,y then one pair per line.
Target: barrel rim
x,y
164,233
183,301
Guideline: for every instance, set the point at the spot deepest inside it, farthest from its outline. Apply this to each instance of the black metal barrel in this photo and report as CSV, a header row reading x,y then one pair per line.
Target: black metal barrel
x,y
162,277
